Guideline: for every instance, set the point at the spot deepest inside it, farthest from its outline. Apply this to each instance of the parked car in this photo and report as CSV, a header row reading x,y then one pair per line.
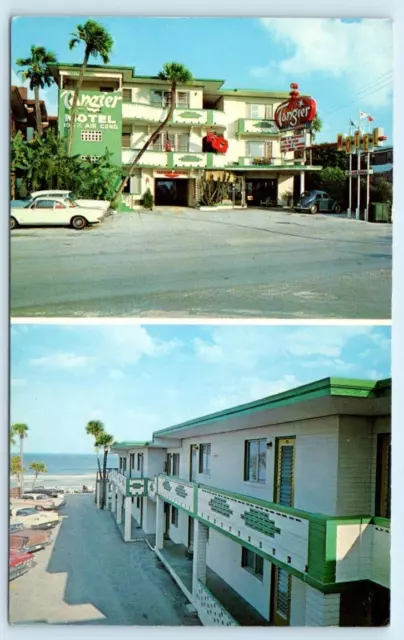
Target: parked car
x,y
17,543
43,504
55,492
54,211
34,539
57,193
33,519
50,494
20,563
317,201
42,498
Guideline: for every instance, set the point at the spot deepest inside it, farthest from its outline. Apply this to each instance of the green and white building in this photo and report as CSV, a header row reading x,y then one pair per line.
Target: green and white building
x,y
275,512
119,109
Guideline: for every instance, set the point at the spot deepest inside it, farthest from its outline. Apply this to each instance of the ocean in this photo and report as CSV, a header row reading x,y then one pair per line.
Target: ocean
x,y
65,470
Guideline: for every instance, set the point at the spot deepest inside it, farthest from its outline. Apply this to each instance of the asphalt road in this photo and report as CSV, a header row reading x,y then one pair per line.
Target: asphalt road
x,y
90,576
187,263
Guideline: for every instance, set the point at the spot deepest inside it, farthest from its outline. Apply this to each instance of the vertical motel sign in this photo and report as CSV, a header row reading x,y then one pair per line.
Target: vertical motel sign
x,y
359,143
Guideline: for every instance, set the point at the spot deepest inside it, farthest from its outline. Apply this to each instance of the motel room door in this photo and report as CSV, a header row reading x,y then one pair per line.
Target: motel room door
x,y
281,596
193,463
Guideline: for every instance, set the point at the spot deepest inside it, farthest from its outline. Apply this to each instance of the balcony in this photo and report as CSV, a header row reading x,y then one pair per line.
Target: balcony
x,y
129,487
321,550
147,113
260,127
269,163
363,551
176,160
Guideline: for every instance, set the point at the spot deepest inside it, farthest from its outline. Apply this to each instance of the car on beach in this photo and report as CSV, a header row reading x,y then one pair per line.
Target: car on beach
x,y
42,498
57,193
50,494
34,539
56,211
33,519
43,504
317,202
55,492
19,563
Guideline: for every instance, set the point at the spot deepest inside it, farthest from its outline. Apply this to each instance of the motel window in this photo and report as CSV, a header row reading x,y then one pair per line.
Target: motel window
x,y
174,516
257,110
258,149
126,136
204,459
127,95
383,476
91,159
255,460
132,461
123,465
163,98
252,562
137,503
285,471
91,136
135,182
169,464
176,464
178,141
140,462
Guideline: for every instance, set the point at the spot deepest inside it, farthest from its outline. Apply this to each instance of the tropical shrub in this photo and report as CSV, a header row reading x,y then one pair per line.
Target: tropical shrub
x,y
148,200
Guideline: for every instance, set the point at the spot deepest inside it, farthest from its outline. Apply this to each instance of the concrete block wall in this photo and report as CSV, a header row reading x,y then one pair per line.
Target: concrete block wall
x,y
322,610
355,466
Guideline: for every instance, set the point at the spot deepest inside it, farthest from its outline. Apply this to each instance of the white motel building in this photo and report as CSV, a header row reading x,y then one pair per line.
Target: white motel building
x,y
275,512
263,173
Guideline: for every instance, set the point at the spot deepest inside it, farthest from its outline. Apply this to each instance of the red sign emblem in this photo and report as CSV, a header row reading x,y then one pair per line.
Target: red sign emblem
x,y
297,112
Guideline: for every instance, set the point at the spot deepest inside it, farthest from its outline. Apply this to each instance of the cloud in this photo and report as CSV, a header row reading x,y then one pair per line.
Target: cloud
x,y
116,374
18,382
360,52
129,344
250,388
60,360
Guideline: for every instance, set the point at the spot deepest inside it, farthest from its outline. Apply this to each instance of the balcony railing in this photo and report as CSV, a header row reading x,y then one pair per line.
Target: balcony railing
x,y
176,159
322,550
129,487
149,113
262,161
257,127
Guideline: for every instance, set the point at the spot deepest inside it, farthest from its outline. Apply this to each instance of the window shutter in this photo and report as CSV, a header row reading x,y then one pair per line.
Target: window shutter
x,y
285,472
283,593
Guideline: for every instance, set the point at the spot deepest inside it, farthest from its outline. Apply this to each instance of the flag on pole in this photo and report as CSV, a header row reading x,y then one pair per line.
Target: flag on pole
x,y
353,124
366,115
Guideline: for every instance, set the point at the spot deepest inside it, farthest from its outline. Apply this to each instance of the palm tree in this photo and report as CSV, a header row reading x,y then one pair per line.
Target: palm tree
x,y
176,74
21,430
104,441
16,467
37,468
38,72
95,428
98,42
315,128
12,436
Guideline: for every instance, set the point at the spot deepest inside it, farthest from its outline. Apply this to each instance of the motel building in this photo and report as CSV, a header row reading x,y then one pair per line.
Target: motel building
x,y
213,132
275,512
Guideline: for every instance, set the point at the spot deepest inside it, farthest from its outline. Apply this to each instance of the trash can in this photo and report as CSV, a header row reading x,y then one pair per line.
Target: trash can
x,y
381,212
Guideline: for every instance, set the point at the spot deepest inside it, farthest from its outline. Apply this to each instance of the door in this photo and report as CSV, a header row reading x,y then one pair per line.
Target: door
x,y
285,471
281,597
166,519
193,470
190,532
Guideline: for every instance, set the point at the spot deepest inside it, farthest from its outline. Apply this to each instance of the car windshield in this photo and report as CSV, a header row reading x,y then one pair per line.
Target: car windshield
x,y
305,194
27,206
70,202
26,512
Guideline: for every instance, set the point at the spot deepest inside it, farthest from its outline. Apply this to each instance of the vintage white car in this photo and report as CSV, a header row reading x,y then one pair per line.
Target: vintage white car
x,y
42,498
41,504
54,211
60,193
33,519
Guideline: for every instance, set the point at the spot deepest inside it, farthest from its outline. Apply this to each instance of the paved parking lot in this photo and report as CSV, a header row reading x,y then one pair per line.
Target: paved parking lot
x,y
185,263
90,576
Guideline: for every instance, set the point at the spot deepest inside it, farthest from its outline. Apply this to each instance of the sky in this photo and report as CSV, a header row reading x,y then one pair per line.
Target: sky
x,y
141,378
345,64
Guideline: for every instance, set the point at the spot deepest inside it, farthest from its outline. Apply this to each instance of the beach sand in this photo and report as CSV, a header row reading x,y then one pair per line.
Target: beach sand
x,y
62,481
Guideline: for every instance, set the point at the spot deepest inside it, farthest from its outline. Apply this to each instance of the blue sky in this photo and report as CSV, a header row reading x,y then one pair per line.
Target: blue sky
x,y
346,65
138,379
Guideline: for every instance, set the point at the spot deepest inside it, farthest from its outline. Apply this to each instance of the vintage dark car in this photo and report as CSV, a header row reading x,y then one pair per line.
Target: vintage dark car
x,y
33,539
317,202
19,563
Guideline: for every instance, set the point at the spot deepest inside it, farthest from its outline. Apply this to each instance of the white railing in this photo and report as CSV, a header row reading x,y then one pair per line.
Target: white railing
x,y
210,611
247,161
156,113
177,491
277,533
150,158
258,126
363,553
119,480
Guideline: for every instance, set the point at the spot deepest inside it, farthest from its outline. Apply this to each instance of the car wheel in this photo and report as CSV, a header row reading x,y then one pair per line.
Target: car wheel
x,y
78,222
39,508
313,208
13,223
337,208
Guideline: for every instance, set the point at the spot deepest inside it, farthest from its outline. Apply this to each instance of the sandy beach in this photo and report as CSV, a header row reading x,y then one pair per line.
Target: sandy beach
x,y
54,480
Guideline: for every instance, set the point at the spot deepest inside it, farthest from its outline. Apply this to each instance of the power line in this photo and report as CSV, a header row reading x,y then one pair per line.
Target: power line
x,y
361,93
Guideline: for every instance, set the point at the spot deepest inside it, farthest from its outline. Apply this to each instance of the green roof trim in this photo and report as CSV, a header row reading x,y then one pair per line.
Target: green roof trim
x,y
129,443
321,388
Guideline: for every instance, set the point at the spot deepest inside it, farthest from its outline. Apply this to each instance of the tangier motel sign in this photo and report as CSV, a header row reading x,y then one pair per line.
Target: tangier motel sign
x,y
297,112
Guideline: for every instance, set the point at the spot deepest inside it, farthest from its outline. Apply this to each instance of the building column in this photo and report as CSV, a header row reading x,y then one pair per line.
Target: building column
x,y
199,557
98,490
322,610
127,535
160,521
302,178
119,508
